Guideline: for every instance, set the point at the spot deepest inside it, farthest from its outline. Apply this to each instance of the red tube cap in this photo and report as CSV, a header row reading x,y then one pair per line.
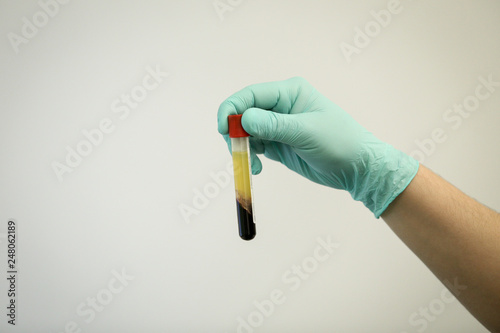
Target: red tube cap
x,y
235,128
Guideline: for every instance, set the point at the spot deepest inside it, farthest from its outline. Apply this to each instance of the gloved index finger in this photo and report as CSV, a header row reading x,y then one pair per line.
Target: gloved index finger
x,y
263,95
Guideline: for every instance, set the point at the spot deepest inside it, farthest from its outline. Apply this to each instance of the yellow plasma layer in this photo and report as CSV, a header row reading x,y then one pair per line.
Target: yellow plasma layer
x,y
242,179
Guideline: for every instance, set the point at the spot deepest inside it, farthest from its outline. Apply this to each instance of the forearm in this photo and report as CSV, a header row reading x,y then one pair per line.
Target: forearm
x,y
456,237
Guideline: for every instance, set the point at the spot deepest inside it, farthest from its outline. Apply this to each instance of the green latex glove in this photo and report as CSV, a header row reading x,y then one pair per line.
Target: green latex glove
x,y
291,122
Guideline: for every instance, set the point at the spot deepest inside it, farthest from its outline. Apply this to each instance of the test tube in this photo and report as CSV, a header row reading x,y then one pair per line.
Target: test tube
x,y
242,177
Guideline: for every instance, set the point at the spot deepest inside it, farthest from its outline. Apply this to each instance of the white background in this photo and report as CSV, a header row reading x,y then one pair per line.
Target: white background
x,y
120,207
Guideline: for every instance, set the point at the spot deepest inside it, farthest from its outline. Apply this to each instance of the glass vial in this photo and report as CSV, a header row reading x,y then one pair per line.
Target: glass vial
x,y
242,177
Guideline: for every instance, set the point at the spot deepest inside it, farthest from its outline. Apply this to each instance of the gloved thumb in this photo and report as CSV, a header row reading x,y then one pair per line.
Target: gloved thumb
x,y
273,126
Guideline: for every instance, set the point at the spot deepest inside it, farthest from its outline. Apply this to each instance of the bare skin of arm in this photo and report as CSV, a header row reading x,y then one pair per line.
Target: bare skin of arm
x,y
456,237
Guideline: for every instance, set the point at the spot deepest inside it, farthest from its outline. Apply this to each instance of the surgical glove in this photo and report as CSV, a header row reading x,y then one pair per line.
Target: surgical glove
x,y
291,122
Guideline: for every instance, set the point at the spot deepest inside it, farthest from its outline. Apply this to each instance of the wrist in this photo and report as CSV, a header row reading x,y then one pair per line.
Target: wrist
x,y
386,173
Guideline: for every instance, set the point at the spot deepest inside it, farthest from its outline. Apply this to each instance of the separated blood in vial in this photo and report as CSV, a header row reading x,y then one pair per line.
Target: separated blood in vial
x,y
242,177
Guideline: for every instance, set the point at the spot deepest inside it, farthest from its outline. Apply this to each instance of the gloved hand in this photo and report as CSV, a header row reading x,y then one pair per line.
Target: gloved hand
x,y
291,122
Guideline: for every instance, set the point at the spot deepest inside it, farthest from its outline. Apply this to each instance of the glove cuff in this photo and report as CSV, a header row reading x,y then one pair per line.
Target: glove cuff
x,y
385,175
